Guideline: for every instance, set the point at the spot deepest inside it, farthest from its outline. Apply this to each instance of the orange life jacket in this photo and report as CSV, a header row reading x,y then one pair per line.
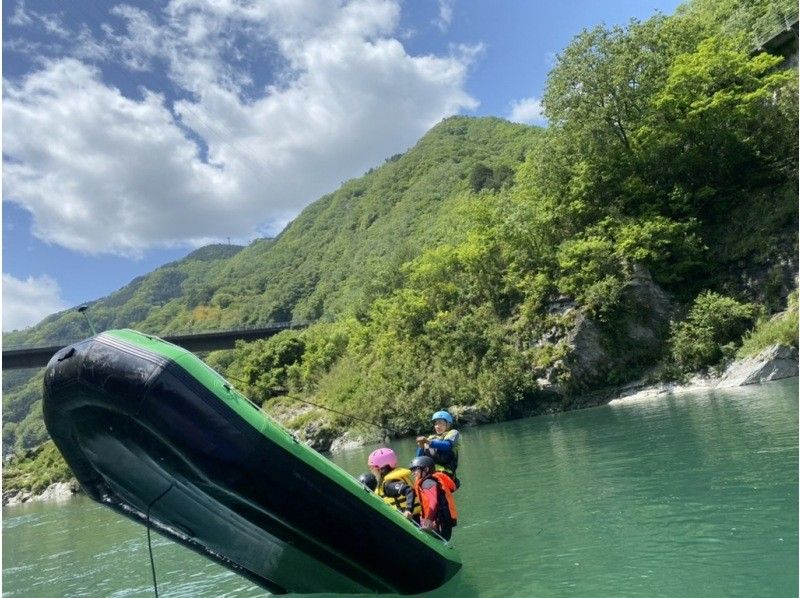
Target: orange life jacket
x,y
446,486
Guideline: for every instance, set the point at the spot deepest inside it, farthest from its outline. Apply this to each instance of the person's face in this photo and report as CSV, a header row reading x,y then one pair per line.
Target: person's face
x,y
417,473
441,426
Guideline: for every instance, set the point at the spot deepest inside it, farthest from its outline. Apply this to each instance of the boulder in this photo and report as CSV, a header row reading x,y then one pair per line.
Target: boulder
x,y
319,436
470,415
773,363
346,442
60,491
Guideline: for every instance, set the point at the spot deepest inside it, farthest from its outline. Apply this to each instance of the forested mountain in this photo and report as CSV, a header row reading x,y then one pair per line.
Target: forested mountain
x,y
471,270
337,256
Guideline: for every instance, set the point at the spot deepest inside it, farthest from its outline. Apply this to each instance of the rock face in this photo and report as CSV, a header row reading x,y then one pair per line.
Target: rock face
x,y
318,436
773,363
587,358
648,310
470,415
642,324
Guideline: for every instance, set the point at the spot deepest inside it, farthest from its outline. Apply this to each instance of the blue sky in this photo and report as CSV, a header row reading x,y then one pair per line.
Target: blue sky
x,y
134,133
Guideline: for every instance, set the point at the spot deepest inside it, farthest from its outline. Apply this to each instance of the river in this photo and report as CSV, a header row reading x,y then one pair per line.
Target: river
x,y
690,495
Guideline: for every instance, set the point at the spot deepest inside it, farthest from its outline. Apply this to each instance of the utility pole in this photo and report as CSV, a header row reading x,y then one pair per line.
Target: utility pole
x,y
82,309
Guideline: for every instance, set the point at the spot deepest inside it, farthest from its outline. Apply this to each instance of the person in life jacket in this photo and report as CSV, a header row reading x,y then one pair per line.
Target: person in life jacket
x,y
394,484
434,489
369,480
443,446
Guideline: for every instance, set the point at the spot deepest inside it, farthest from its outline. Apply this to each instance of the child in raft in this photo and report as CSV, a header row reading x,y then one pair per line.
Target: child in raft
x,y
394,484
434,489
442,446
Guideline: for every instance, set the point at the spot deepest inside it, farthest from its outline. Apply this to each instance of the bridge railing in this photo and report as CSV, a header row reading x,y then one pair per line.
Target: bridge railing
x,y
33,357
773,23
229,331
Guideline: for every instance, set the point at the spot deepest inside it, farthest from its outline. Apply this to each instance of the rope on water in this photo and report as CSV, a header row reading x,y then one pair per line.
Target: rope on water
x,y
149,545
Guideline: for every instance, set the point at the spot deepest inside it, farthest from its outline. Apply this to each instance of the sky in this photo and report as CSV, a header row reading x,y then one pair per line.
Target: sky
x,y
135,132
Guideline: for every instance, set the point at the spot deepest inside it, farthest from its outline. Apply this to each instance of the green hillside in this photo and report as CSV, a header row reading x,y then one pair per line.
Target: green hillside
x,y
461,273
332,260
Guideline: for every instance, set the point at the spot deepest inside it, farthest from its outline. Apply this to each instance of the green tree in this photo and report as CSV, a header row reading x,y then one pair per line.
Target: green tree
x,y
265,364
721,121
712,330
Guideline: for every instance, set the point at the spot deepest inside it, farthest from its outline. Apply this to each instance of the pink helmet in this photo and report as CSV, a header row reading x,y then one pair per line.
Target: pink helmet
x,y
381,457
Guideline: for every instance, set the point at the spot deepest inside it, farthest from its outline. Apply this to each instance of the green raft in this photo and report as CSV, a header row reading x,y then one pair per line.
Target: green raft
x,y
155,434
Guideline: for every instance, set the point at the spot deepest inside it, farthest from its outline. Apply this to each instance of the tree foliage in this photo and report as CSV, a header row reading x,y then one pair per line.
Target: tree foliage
x,y
712,330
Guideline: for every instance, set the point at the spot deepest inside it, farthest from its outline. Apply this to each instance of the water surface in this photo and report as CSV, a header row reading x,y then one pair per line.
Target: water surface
x,y
689,495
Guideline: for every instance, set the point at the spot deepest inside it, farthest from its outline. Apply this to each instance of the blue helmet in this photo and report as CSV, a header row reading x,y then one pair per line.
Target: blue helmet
x,y
442,415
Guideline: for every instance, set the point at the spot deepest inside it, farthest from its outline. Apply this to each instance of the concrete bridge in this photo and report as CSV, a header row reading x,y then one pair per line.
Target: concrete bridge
x,y
35,357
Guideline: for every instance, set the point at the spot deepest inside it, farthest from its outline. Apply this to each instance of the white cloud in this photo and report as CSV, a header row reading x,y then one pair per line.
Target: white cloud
x,y
445,14
528,111
26,302
106,173
21,16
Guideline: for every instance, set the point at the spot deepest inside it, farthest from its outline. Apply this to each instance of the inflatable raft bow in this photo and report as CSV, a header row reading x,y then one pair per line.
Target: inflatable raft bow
x,y
152,432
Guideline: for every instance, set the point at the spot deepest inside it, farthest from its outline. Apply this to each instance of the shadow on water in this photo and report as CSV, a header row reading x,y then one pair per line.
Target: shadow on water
x,y
692,494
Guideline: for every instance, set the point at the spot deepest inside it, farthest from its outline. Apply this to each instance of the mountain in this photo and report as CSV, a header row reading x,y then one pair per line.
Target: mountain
x,y
338,255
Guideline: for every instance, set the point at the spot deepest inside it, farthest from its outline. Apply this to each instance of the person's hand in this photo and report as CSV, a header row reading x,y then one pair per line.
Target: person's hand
x,y
421,440
409,515
426,524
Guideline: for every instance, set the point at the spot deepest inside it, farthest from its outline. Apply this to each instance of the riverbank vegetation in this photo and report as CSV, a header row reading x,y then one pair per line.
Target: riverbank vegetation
x,y
778,329
35,470
471,270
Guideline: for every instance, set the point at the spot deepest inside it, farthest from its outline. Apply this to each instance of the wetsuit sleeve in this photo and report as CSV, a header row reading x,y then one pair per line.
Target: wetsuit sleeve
x,y
442,445
447,443
410,496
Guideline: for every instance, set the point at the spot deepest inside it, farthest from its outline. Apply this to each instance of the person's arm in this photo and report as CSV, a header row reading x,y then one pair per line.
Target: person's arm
x,y
445,444
442,445
410,495
421,442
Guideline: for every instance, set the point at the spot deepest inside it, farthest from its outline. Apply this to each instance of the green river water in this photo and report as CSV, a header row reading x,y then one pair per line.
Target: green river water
x,y
689,495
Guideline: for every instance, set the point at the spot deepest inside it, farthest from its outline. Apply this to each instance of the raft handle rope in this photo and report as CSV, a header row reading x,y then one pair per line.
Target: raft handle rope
x,y
371,423
431,531
149,545
366,421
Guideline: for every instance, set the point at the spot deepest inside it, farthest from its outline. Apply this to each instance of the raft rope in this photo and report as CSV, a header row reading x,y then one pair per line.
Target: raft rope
x,y
431,531
149,545
344,414
366,421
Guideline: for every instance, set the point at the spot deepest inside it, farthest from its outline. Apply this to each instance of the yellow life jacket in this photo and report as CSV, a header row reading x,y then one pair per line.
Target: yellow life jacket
x,y
398,474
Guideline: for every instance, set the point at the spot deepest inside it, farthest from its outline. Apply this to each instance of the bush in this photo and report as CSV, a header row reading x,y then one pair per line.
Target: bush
x,y
779,330
35,471
592,272
265,363
711,331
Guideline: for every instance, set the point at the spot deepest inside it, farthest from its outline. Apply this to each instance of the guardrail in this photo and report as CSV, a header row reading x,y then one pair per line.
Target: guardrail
x,y
773,24
776,33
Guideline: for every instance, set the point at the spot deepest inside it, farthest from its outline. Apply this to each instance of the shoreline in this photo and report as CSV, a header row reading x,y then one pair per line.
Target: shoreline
x,y
777,362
